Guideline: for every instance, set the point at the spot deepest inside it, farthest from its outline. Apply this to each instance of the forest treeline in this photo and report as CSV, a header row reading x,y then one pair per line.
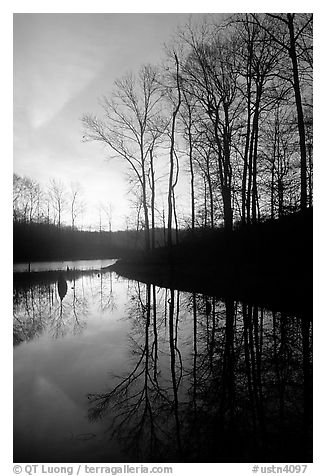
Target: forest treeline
x,y
232,102
34,241
56,203
42,241
230,107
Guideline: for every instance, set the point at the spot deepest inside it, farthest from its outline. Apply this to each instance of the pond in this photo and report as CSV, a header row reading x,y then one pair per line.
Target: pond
x,y
108,369
79,265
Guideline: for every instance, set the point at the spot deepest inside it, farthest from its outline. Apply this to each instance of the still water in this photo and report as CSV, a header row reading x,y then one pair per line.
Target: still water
x,y
79,265
114,370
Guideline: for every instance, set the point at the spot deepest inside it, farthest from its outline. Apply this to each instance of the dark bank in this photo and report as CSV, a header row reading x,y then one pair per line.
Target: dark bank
x,y
268,263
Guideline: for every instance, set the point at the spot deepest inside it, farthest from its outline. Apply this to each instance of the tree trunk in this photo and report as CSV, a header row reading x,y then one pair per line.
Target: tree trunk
x,y
254,175
144,197
254,154
245,161
170,192
272,191
310,187
192,182
300,119
227,207
152,197
227,193
245,165
211,199
175,219
205,203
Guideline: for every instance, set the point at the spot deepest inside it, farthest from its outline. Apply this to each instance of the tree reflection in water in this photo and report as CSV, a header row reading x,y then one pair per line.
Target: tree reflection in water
x,y
139,401
211,381
57,305
57,302
208,380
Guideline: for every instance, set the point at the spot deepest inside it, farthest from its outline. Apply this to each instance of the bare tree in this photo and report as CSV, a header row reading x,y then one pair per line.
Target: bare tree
x,y
211,76
18,196
27,195
189,116
59,199
131,115
280,152
203,159
174,84
289,32
77,204
259,58
108,212
47,205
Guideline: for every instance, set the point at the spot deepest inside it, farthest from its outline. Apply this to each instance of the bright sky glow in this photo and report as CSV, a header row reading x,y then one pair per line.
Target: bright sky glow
x,y
63,63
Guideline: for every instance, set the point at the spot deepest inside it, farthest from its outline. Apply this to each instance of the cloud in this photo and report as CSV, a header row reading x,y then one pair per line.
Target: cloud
x,y
62,64
52,68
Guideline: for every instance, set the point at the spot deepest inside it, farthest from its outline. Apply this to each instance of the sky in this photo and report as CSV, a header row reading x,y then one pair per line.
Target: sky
x,y
63,64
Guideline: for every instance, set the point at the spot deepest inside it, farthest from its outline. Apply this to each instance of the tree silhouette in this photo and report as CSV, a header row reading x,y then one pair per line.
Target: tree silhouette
x,y
131,127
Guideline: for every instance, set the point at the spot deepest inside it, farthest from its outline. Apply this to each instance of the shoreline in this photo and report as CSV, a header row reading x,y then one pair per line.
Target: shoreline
x,y
267,290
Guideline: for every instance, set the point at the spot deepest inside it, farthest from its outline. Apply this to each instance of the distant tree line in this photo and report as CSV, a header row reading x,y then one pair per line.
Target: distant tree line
x,y
232,105
34,241
33,203
42,241
45,224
